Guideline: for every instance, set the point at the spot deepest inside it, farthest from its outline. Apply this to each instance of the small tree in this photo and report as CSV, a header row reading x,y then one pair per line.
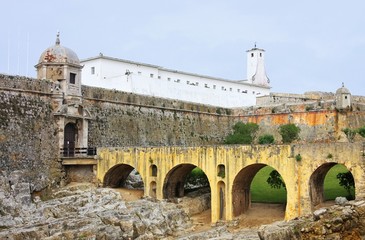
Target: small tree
x,y
346,180
289,132
350,134
275,180
243,133
266,139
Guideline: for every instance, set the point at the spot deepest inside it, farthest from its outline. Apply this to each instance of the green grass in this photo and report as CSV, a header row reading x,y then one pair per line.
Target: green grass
x,y
262,192
331,186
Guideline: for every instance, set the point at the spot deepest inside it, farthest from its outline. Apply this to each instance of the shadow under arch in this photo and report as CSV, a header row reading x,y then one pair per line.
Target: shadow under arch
x,y
174,182
316,183
241,189
117,175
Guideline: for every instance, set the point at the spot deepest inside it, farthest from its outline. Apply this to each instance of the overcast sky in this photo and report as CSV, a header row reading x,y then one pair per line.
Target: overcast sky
x,y
310,45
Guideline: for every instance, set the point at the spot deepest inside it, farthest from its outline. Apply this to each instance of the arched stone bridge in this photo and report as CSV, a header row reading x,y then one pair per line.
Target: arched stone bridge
x,y
163,170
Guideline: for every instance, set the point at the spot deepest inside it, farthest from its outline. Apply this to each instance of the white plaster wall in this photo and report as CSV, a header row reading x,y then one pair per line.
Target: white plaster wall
x,y
169,83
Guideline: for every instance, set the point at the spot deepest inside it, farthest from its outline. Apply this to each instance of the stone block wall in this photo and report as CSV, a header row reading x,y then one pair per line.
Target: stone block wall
x,y
28,141
28,131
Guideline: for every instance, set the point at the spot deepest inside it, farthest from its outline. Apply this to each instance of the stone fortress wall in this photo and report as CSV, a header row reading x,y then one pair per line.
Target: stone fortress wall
x,y
28,133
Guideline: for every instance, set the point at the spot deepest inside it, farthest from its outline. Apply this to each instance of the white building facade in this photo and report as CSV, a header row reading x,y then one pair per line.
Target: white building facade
x,y
152,80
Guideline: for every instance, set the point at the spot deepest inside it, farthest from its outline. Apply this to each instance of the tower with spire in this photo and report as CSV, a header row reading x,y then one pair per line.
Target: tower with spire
x,y
62,66
256,73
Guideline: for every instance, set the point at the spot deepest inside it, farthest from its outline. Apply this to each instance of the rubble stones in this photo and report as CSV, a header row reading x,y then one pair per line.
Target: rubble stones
x,y
335,222
93,213
341,200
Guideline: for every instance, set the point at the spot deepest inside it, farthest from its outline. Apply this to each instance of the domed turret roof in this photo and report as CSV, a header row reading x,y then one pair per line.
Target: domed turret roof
x,y
343,90
59,54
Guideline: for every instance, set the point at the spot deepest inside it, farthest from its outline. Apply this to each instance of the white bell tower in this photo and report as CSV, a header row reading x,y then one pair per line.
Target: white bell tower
x,y
256,73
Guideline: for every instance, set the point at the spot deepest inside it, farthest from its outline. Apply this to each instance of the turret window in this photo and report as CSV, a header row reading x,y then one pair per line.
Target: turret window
x,y
252,54
72,78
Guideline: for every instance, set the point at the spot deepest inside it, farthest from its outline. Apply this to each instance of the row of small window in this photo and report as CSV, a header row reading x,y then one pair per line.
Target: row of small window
x,y
205,85
190,83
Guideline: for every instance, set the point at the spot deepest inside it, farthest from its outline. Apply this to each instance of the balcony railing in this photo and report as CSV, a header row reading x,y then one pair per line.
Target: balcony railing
x,y
75,152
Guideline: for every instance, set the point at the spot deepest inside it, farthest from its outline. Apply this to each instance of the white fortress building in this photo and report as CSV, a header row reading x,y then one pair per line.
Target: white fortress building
x,y
146,79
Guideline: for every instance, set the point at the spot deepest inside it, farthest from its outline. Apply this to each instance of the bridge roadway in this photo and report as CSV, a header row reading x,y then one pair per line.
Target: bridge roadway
x,y
230,170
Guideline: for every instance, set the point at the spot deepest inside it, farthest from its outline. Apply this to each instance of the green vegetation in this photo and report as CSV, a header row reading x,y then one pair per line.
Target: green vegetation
x,y
196,178
243,133
289,132
298,157
261,191
332,187
275,180
346,180
350,133
361,131
266,139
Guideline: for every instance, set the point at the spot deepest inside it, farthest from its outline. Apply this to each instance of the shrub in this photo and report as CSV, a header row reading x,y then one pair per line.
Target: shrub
x,y
361,131
243,133
266,139
346,180
289,132
350,134
298,157
275,180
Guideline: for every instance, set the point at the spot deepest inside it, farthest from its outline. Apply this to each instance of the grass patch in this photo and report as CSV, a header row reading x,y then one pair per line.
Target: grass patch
x,y
332,188
262,192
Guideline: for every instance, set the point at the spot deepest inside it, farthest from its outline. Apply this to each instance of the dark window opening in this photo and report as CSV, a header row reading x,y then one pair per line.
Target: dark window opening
x,y
72,78
251,54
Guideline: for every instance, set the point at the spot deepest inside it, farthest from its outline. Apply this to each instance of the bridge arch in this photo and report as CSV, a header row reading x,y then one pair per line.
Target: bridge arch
x,y
117,175
316,183
173,185
241,189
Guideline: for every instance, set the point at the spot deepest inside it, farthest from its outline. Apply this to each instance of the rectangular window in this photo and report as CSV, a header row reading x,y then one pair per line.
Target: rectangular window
x,y
196,84
238,90
72,78
139,73
187,82
168,79
230,89
92,70
159,77
151,75
214,86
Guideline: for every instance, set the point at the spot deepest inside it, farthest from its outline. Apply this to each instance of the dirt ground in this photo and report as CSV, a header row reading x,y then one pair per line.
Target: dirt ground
x,y
259,213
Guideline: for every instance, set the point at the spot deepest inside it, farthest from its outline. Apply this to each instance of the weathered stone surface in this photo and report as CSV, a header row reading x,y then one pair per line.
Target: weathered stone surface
x,y
94,213
336,222
341,200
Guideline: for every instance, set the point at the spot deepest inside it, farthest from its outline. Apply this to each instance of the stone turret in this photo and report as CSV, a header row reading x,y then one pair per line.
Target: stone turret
x,y
62,66
343,98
